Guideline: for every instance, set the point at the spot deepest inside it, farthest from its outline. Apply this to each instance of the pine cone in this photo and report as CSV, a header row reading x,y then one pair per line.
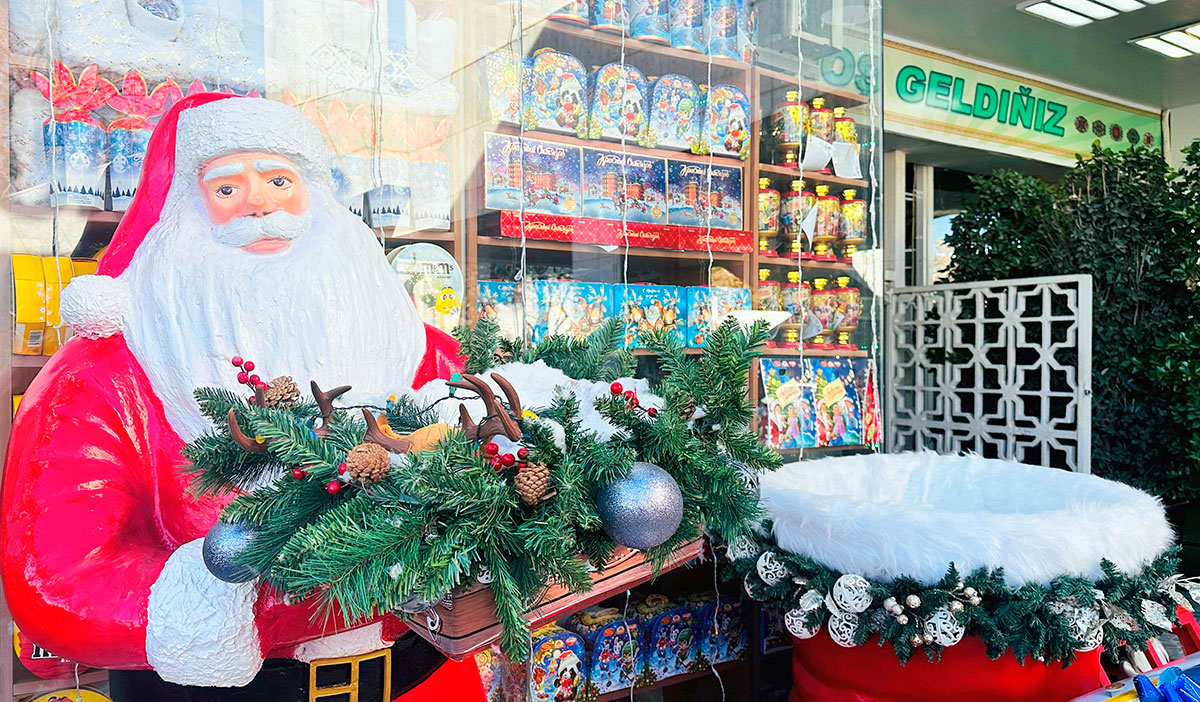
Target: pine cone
x,y
688,410
368,463
533,483
281,392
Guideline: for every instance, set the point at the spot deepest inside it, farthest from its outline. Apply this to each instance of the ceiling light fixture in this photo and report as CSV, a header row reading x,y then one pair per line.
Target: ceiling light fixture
x,y
1162,47
1123,5
1086,7
1055,13
1183,40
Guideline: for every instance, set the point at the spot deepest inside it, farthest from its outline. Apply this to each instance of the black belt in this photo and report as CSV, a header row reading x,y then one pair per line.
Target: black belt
x,y
412,661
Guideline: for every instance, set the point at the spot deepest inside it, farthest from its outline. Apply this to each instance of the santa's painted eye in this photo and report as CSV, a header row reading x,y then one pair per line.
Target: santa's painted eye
x,y
281,181
225,190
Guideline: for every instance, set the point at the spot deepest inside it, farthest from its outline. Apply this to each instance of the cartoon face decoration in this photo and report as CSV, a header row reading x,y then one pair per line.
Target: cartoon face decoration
x,y
633,107
570,108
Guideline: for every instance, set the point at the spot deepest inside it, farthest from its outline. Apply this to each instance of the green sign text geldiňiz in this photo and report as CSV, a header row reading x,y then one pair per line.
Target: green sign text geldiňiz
x,y
943,91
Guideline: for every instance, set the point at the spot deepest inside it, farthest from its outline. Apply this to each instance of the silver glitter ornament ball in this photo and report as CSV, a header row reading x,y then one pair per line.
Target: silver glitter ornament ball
x,y
643,509
222,544
749,477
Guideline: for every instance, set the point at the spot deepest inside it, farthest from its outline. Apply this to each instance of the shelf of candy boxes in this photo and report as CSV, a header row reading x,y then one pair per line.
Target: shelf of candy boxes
x,y
815,226
815,141
603,651
576,308
671,114
824,318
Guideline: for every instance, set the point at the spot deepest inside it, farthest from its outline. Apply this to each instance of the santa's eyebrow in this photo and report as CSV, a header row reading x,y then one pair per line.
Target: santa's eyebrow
x,y
224,171
265,165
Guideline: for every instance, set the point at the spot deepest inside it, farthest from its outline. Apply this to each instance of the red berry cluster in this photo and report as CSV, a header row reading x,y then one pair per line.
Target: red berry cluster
x,y
246,375
500,461
631,398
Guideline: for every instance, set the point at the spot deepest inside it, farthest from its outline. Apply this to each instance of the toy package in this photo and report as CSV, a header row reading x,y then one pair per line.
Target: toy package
x,y
775,635
708,307
557,665
747,34
699,195
649,21
787,419
674,115
611,16
499,301
570,308
619,185
575,11
614,650
552,175
554,92
836,401
687,25
725,129
671,644
722,632
501,77
644,307
618,103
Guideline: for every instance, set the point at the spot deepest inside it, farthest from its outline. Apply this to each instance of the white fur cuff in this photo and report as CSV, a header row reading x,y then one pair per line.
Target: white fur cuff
x,y
201,630
95,305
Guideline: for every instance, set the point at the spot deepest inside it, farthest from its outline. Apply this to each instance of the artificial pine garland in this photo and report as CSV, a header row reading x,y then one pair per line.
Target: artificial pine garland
x,y
1045,623
440,518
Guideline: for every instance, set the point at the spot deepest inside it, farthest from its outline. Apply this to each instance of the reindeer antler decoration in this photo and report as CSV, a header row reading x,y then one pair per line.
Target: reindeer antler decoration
x,y
324,405
498,420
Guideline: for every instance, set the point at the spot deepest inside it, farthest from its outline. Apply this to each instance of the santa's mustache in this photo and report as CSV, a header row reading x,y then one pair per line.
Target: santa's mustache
x,y
277,225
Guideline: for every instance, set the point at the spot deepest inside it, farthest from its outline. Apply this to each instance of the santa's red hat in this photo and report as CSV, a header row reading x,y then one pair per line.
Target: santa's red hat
x,y
195,130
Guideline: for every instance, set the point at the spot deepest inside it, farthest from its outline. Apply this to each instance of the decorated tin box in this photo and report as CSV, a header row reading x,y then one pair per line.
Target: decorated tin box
x,y
644,307
708,307
552,175
699,195
624,186
722,633
725,130
687,25
555,95
501,77
721,28
747,36
674,113
557,665
613,647
570,308
575,11
499,301
618,103
650,21
671,644
611,16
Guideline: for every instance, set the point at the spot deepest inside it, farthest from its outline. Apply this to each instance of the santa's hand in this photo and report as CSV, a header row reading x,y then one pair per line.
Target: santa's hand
x,y
201,630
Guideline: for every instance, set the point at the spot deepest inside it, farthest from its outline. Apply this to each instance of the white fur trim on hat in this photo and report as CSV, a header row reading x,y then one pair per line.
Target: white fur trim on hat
x,y
200,630
249,124
886,515
95,306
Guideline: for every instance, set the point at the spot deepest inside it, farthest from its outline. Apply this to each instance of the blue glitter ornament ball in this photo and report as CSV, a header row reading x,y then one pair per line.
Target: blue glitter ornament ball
x,y
222,544
643,509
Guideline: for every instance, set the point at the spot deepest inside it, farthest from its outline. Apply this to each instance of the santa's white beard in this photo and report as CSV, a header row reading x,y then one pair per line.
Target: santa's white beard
x,y
328,309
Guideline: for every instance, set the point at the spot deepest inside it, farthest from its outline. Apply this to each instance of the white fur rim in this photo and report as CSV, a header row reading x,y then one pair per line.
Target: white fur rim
x,y
886,515
249,124
200,630
95,306
355,642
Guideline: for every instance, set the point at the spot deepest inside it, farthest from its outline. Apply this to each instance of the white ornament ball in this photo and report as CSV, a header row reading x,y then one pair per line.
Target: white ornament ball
x,y
1085,625
811,600
742,547
852,593
912,601
771,570
970,592
484,576
889,604
956,606
897,610
927,638
796,621
842,628
943,628
902,619
916,641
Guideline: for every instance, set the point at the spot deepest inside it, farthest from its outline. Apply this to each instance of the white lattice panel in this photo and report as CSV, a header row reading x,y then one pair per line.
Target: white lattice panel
x,y
999,368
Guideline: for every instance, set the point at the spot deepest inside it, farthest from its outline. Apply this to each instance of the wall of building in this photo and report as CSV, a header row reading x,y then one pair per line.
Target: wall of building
x,y
1182,125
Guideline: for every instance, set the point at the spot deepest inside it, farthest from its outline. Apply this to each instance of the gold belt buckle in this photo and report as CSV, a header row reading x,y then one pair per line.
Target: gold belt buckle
x,y
351,688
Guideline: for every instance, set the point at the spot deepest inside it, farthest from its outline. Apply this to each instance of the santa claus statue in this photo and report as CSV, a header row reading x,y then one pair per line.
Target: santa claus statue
x,y
234,245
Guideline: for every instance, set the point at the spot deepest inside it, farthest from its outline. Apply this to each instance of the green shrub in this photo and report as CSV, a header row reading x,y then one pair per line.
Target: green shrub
x,y
1127,219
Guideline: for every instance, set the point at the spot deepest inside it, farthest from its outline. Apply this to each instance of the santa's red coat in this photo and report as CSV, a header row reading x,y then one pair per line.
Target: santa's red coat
x,y
95,500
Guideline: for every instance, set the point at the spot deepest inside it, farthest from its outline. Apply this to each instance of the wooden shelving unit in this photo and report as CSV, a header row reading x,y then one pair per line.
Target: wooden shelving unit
x,y
728,667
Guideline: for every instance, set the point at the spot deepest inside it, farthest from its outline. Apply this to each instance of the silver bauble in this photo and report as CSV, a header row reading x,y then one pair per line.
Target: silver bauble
x,y
643,509
223,543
